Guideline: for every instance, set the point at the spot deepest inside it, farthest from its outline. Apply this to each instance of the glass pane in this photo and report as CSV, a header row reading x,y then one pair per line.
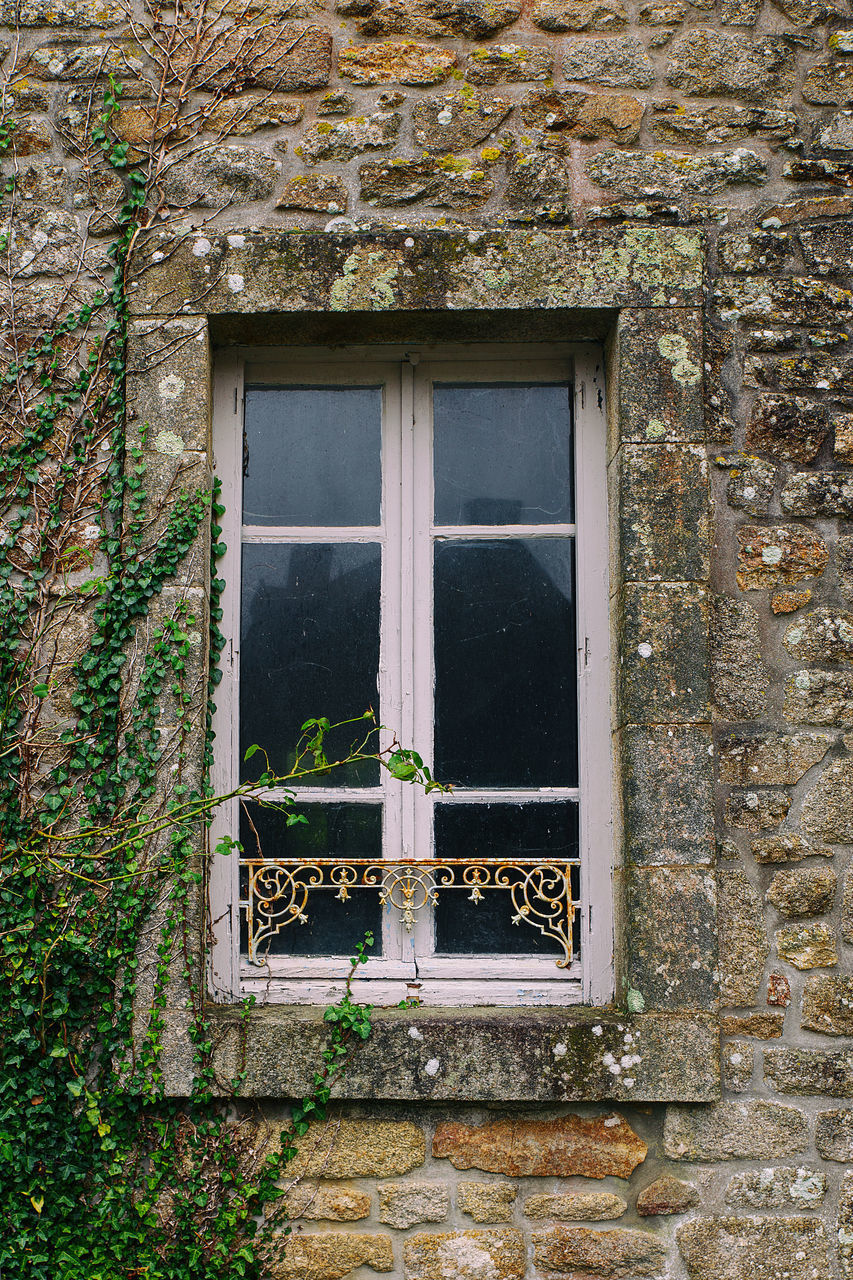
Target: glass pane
x,y
310,647
534,830
505,667
312,455
332,831
502,453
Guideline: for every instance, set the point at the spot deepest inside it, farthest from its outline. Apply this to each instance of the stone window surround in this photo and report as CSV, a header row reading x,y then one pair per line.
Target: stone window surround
x,y
639,291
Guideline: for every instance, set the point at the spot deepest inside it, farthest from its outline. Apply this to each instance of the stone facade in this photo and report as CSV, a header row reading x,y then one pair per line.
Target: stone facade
x,y
675,181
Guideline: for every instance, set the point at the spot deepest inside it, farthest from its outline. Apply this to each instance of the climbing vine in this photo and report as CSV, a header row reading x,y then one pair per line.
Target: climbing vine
x,y
104,807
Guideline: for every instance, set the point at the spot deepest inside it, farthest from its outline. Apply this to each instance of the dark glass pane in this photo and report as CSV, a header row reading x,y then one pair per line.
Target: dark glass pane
x,y
310,648
503,453
505,666
547,830
332,831
312,455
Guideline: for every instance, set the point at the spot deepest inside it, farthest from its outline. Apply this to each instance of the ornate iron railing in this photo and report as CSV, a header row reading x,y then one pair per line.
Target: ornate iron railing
x,y
540,892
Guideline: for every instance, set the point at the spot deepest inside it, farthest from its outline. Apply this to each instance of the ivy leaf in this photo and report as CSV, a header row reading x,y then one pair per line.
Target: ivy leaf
x,y
37,1202
40,690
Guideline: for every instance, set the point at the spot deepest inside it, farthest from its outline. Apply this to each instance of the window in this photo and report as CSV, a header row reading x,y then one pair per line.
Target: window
x,y
424,532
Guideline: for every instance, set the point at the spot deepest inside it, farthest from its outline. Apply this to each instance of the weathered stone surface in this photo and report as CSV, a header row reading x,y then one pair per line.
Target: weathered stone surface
x,y
778,990
664,512
322,1202
842,444
72,14
790,601
594,1148
844,1227
538,187
474,19
666,1195
743,941
29,137
788,300
715,126
402,1204
757,810
466,1255
579,15
751,483
847,907
669,174
657,399
824,635
706,63
746,1248
828,1004
265,55
739,676
773,758
396,62
826,1072
319,193
359,1149
220,174
458,121
807,946
763,1026
828,808
834,1135
42,183
401,182
777,1188
795,373
580,1206
81,62
574,113
621,61
250,112
582,1251
744,252
828,251
769,557
820,697
837,133
748,1129
509,63
344,139
829,84
673,938
804,892
336,103
487,1201
738,1065
788,428
330,1255
810,13
668,822
41,241
665,675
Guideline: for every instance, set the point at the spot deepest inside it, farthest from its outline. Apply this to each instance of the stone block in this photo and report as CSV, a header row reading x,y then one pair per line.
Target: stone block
x,y
573,113
465,1255
70,14
788,428
746,1248
472,19
778,990
403,1204
739,676
823,635
457,122
807,946
829,84
621,62
657,400
598,1147
265,55
778,555
579,15
396,62
670,174
509,63
664,512
359,1149
578,1206
715,126
743,942
777,1188
771,759
827,493
833,1135
764,1026
757,810
172,400
343,139
738,1063
790,601
807,891
709,64
487,1201
847,907
613,1252
828,1005
827,812
826,1072
748,1129
668,794
666,1195
324,1202
330,1255
247,113
538,187
316,193
830,250
673,940
665,675
219,175
750,485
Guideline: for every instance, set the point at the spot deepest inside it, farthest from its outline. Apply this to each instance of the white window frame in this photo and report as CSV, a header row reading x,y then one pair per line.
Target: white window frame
x,y
406,671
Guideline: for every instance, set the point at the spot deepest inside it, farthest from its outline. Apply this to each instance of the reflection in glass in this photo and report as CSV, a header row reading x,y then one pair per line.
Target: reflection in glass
x,y
309,647
547,829
502,453
332,831
312,455
505,667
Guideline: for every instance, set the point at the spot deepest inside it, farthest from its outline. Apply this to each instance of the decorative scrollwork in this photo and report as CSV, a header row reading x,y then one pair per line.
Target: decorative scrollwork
x,y
540,893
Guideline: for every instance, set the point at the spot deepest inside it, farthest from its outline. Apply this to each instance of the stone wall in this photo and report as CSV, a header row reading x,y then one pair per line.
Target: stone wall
x,y
735,116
